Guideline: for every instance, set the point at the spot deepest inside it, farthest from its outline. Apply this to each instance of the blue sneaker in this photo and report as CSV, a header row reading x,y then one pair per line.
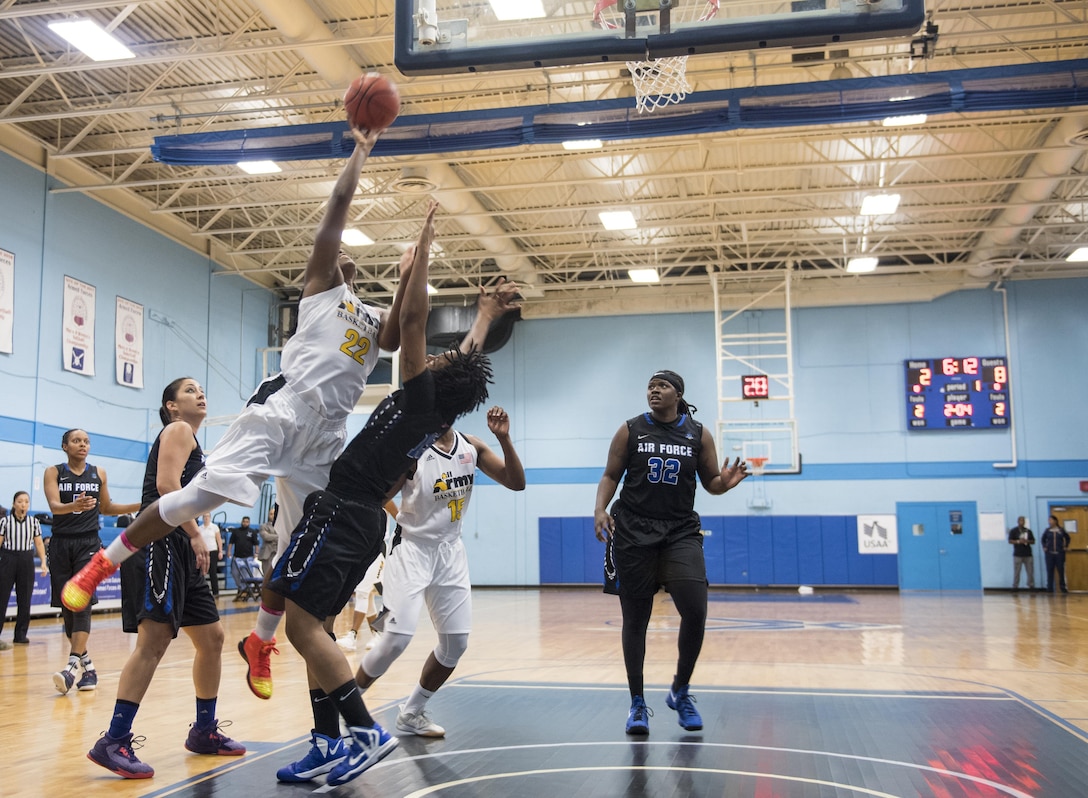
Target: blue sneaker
x,y
324,754
638,719
210,739
88,681
684,704
63,680
368,746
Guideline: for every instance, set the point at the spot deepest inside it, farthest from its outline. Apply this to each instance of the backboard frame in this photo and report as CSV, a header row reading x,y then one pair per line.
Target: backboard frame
x,y
881,19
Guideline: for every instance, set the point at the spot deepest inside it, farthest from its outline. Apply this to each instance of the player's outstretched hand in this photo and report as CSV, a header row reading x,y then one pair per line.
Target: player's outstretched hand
x,y
733,475
498,422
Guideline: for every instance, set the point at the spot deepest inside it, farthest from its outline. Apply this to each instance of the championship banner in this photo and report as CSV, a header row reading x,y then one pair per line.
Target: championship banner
x,y
128,337
7,299
877,534
78,337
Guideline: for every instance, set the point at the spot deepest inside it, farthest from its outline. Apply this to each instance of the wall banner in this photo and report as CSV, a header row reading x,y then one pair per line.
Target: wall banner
x,y
78,332
877,534
129,343
7,299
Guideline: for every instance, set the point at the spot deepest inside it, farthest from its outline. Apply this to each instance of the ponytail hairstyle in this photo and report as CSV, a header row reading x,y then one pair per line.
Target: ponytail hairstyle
x,y
170,394
68,434
18,493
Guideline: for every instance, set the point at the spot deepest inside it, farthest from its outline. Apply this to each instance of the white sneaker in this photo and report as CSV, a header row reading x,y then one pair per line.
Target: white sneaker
x,y
347,640
373,639
418,724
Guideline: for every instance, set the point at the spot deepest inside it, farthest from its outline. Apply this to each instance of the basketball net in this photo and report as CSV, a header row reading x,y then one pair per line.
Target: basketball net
x,y
661,81
757,464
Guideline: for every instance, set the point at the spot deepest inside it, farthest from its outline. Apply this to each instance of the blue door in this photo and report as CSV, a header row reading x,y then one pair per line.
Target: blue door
x,y
938,546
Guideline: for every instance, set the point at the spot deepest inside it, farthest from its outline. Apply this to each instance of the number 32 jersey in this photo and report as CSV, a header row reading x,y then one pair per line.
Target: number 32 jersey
x,y
334,349
662,463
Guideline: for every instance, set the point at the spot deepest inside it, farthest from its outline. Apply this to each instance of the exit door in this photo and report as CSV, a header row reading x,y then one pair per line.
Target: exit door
x,y
938,546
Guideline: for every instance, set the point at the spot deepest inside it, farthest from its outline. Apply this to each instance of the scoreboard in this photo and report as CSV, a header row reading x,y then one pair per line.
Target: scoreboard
x,y
958,393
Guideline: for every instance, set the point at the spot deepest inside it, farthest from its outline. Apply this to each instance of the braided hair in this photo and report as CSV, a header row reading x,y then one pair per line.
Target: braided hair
x,y
677,382
460,384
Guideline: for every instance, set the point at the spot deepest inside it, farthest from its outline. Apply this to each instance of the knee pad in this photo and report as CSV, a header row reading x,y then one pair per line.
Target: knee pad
x,y
389,646
81,621
188,503
450,649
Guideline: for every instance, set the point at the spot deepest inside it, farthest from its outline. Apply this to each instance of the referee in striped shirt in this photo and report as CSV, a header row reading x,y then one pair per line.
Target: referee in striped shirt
x,y
19,536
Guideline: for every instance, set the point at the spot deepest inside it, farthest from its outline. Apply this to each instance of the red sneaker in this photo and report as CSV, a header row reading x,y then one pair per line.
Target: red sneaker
x,y
79,590
258,654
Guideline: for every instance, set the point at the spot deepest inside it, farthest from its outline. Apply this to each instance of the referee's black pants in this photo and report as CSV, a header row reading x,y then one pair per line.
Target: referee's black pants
x,y
17,570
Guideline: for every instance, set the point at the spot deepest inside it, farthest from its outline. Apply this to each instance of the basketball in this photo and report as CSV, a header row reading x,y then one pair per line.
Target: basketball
x,y
372,102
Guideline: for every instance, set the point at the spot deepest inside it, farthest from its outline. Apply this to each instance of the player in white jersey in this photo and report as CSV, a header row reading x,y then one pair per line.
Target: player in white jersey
x,y
427,562
293,426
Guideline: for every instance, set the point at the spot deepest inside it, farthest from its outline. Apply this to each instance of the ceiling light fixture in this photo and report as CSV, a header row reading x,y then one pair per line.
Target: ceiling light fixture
x,y
644,275
91,39
879,204
259,167
861,265
506,10
355,238
583,144
905,120
1078,255
618,220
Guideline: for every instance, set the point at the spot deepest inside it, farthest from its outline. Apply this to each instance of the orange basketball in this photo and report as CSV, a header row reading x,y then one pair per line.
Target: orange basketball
x,y
372,102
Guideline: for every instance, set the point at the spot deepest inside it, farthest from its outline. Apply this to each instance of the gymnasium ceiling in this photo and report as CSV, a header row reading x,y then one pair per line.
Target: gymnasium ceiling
x,y
985,197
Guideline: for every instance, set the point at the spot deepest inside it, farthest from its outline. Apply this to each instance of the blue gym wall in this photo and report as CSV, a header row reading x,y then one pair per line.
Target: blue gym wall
x,y
569,384
195,324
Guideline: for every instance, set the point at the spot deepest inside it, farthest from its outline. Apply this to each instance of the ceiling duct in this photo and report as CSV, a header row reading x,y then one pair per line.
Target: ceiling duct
x,y
1064,146
414,180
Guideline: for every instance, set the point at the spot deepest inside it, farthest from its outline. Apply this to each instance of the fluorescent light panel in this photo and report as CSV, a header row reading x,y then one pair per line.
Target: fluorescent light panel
x,y
879,204
91,39
356,238
643,275
905,120
618,220
259,167
861,265
1078,255
583,144
517,9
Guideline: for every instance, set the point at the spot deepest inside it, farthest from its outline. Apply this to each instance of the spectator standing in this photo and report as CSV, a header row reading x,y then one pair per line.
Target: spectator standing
x,y
269,541
1022,539
1055,543
213,539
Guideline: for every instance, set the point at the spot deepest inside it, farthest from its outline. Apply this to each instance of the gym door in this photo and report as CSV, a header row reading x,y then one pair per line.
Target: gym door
x,y
938,546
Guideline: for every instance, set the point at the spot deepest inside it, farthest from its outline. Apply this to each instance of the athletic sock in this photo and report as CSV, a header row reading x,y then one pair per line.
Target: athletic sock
x,y
350,704
120,549
417,700
205,712
267,622
326,718
124,712
85,661
73,662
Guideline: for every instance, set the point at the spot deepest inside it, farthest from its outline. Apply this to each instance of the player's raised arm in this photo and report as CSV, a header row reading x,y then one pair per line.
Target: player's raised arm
x,y
323,270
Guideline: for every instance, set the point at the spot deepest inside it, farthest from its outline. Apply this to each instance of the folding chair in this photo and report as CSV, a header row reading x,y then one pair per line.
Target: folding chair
x,y
247,578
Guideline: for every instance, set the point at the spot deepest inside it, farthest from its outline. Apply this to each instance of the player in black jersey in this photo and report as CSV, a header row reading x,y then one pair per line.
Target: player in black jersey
x,y
654,534
163,590
343,526
77,493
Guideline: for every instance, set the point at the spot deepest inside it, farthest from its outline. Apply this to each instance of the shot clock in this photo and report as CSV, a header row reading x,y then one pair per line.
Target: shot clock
x,y
958,393
755,386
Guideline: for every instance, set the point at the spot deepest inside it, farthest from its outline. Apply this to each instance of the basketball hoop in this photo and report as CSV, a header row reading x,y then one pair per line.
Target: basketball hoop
x,y
757,464
661,81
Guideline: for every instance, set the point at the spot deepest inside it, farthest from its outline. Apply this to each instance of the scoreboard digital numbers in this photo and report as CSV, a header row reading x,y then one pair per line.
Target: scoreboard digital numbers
x,y
958,393
755,386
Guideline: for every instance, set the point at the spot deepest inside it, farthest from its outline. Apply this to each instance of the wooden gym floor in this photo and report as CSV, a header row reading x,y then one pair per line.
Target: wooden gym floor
x,y
834,694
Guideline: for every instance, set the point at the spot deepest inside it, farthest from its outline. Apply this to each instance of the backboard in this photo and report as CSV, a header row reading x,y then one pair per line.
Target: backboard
x,y
450,36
